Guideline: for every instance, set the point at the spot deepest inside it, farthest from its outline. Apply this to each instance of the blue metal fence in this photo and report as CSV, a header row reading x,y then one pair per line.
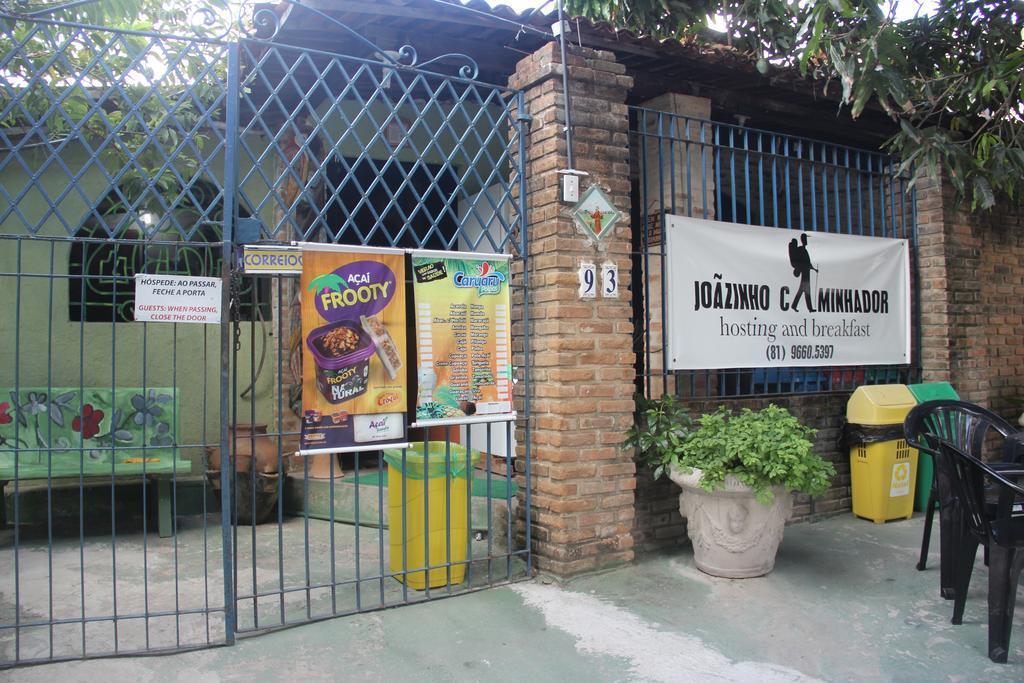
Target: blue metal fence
x,y
126,152
707,169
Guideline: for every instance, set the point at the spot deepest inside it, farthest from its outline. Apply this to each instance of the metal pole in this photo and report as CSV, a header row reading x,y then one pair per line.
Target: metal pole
x,y
227,255
565,88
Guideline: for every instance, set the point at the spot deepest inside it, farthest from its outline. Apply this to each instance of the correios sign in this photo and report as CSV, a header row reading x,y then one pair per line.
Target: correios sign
x,y
746,297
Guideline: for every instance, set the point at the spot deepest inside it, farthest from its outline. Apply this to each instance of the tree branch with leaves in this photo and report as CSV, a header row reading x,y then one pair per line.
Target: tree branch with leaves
x,y
952,81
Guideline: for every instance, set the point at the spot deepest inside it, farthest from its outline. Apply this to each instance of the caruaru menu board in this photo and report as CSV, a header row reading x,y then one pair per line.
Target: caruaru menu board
x,y
463,336
353,348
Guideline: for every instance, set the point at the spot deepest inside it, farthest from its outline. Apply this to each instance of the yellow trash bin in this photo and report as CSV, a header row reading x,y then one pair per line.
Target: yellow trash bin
x,y
883,468
432,510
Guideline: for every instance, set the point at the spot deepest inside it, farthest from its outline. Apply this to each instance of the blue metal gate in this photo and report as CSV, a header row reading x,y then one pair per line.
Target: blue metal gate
x,y
138,522
712,170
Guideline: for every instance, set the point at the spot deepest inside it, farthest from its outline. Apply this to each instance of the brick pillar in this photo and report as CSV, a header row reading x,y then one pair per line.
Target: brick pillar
x,y
972,297
582,359
933,281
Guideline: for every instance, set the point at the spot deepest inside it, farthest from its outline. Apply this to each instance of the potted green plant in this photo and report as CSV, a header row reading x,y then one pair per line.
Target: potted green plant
x,y
737,472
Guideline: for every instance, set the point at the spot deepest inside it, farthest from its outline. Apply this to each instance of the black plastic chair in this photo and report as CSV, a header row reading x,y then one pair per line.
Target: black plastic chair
x,y
992,505
965,426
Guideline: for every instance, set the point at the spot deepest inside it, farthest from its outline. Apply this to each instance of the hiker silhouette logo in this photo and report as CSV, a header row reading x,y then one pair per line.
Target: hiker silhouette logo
x,y
800,260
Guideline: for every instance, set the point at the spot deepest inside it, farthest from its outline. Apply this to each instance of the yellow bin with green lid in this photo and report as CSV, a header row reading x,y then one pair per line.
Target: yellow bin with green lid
x,y
883,467
428,519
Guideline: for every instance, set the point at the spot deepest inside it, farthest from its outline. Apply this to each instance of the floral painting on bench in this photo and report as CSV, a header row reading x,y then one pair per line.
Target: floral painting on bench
x,y
62,431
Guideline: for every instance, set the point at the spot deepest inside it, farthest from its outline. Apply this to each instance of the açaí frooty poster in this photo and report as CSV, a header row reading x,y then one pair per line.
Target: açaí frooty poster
x,y
354,346
463,336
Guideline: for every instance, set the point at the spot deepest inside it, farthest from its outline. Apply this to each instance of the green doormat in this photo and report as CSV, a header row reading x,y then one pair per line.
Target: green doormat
x,y
501,488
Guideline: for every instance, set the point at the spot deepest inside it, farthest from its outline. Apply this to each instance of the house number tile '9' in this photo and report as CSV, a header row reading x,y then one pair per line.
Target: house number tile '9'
x,y
609,280
588,280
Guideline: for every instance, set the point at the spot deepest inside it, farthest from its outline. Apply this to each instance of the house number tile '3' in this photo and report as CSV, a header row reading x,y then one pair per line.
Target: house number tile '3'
x,y
609,280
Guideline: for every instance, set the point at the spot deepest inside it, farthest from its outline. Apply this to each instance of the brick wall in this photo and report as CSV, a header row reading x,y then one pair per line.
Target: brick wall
x,y
581,357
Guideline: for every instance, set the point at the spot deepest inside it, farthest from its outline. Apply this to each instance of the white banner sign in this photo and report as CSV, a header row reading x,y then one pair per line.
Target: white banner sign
x,y
177,299
753,297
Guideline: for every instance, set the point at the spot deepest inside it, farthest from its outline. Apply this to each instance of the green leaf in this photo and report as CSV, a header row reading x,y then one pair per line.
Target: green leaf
x,y
984,197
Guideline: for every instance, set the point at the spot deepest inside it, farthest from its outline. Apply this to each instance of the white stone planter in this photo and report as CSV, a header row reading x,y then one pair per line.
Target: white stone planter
x,y
733,535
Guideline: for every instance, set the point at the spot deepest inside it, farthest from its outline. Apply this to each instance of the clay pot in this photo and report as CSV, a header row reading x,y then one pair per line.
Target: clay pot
x,y
254,498
246,439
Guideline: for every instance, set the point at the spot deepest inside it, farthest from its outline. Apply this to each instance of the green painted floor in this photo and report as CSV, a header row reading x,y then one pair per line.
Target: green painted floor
x,y
843,604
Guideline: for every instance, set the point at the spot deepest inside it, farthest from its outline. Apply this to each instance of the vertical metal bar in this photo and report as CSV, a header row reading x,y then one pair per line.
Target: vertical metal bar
x,y
359,548
81,440
849,196
145,520
330,515
775,183
660,141
800,183
226,475
17,459
469,502
732,173
113,459
860,194
760,174
871,194
205,491
305,534
882,220
426,515
174,490
253,474
814,189
890,230
746,172
405,522
704,172
565,88
645,239
509,466
904,193
789,202
916,361
381,472
280,456
672,162
689,180
448,506
824,187
490,513
49,441
661,260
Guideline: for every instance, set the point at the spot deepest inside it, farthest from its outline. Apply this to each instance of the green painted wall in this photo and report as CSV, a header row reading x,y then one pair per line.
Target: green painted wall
x,y
41,346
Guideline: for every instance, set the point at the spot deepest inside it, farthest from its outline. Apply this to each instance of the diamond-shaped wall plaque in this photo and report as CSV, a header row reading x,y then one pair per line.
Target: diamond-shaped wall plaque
x,y
595,213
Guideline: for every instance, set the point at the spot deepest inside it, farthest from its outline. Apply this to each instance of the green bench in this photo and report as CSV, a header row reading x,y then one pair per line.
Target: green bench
x,y
61,432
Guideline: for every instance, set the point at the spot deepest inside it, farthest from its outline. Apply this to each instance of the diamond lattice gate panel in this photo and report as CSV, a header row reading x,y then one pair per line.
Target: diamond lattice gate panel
x,y
359,153
112,155
152,494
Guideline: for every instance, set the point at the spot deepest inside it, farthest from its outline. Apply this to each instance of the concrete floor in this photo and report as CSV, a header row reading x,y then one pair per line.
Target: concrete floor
x,y
843,604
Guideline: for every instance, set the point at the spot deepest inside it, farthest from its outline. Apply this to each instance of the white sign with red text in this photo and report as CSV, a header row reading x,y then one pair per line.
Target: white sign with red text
x,y
177,298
